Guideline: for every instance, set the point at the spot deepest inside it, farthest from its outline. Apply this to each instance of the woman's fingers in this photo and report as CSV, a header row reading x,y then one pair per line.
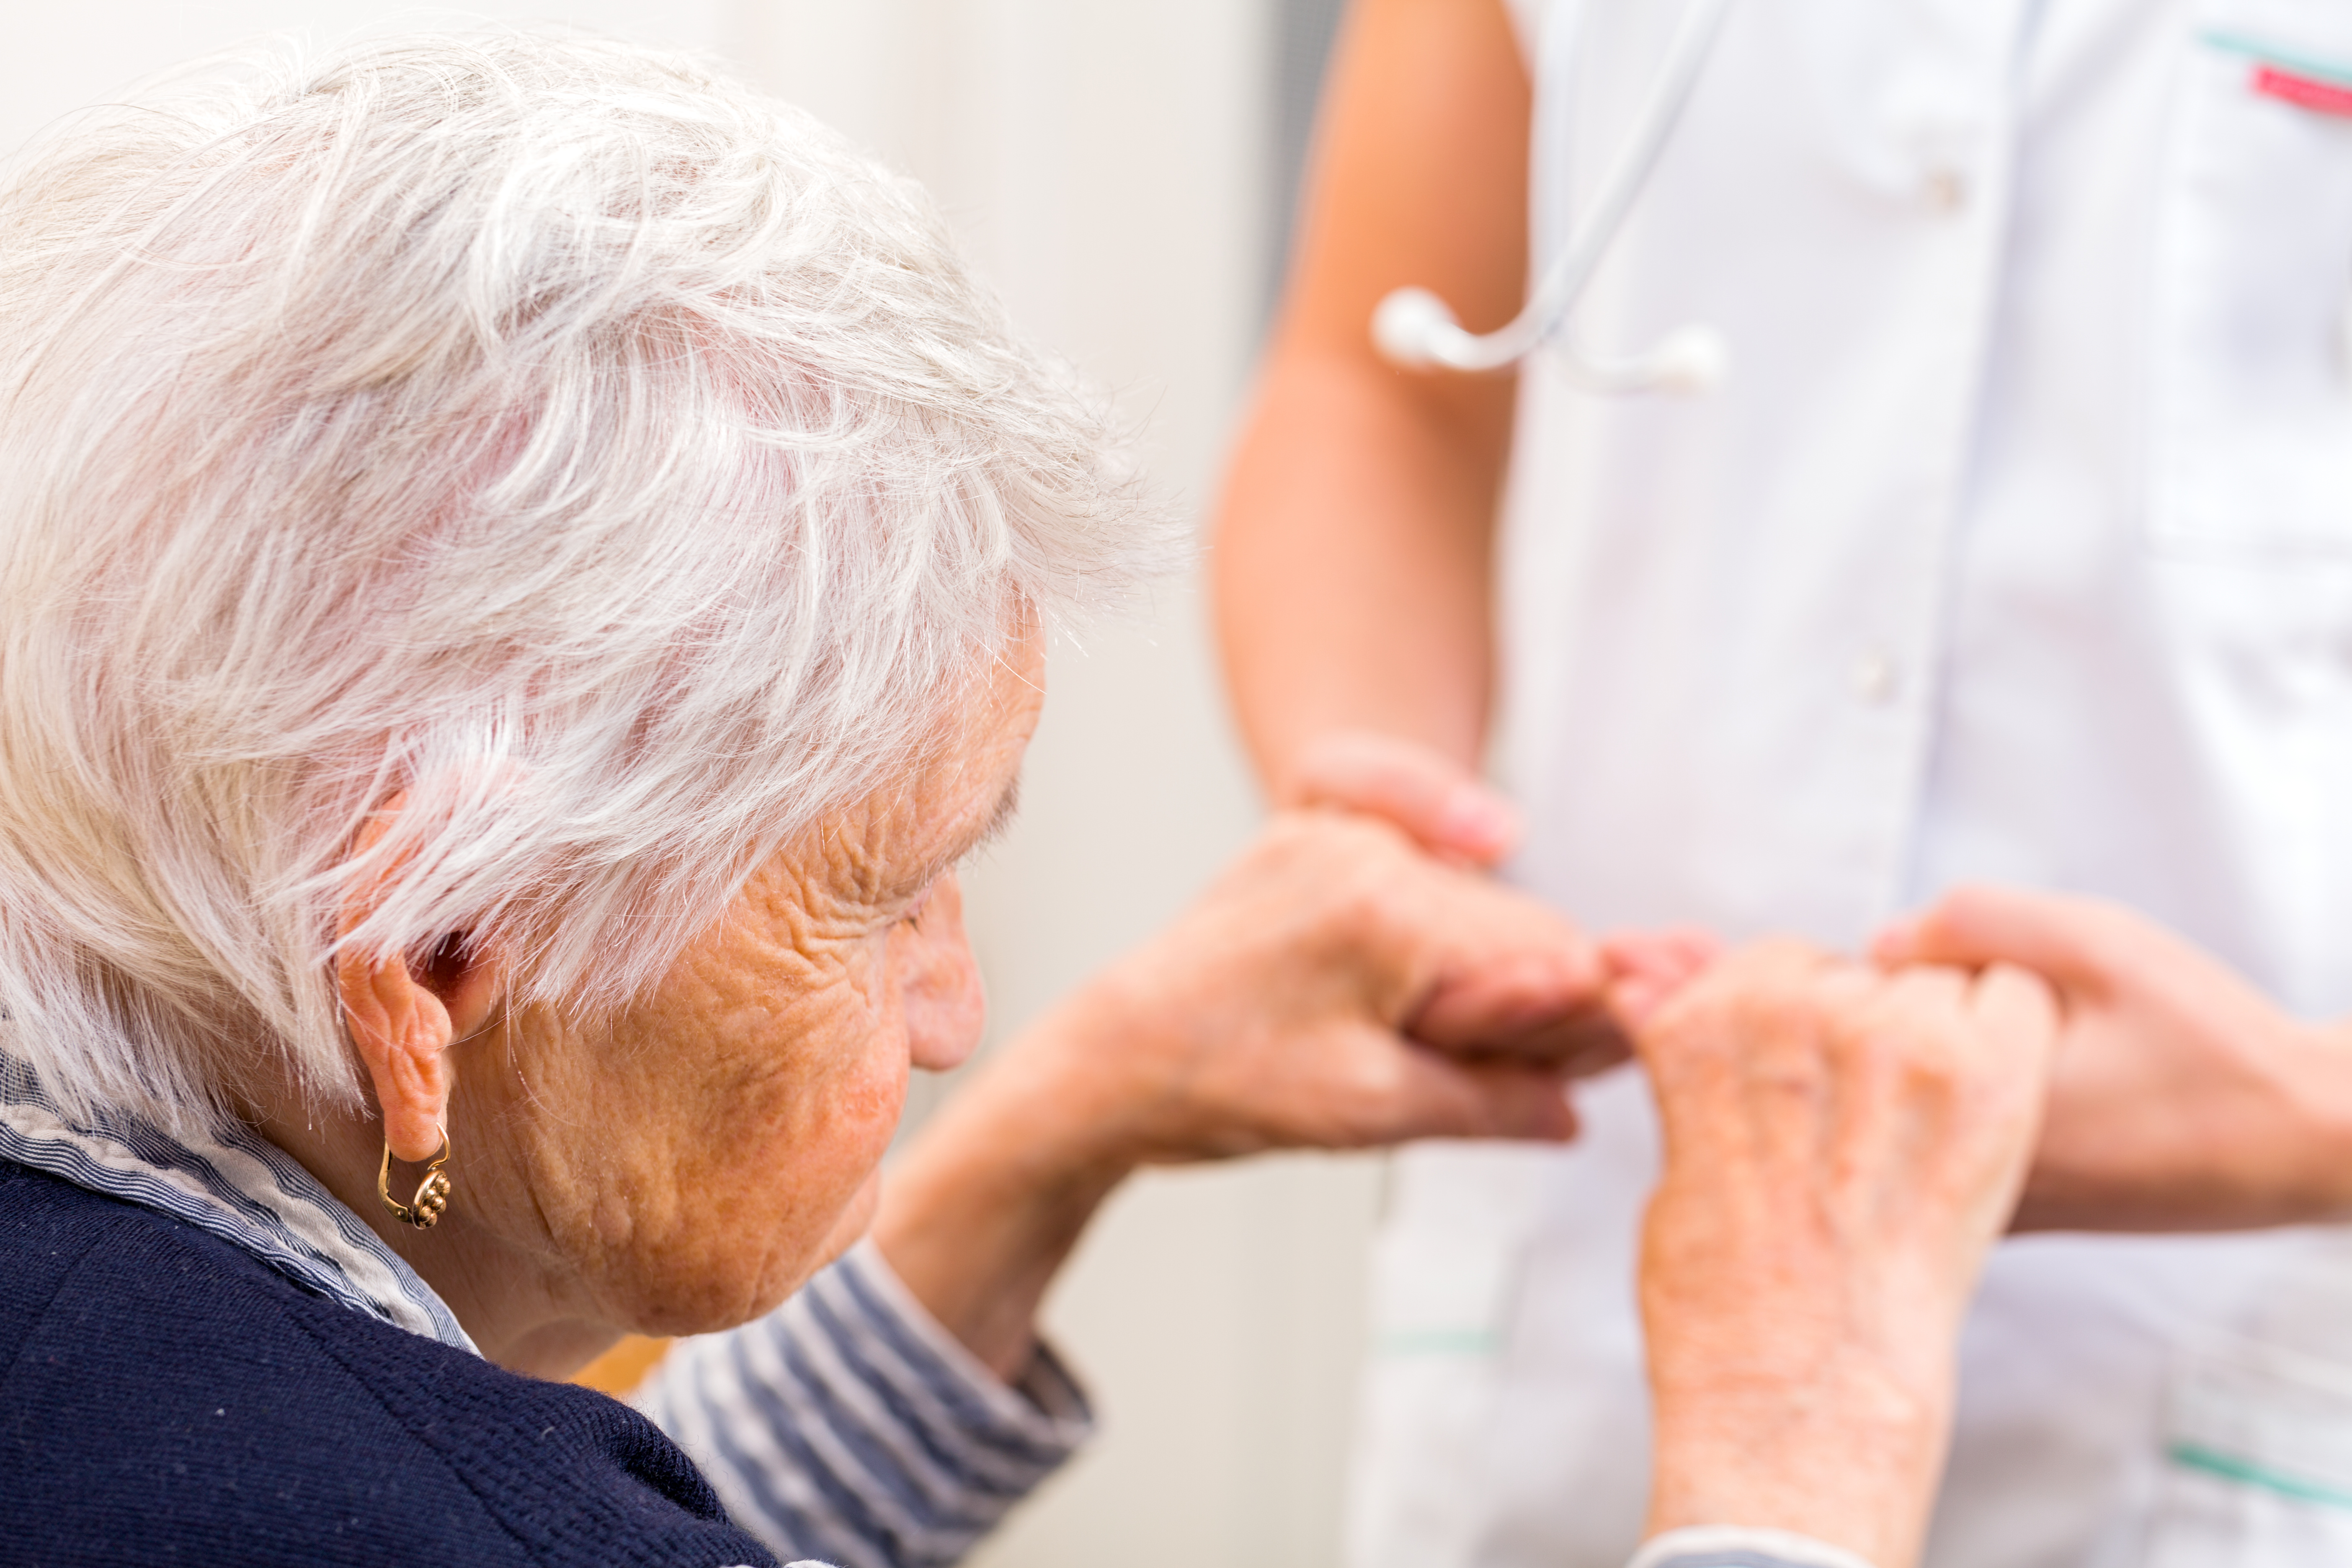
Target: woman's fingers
x,y
1676,954
1440,804
1799,1062
2018,1011
1536,1006
1647,968
1452,959
1500,1099
1415,1092
1338,986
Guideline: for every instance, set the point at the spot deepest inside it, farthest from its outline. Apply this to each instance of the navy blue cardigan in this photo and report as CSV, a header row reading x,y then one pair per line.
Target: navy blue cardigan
x,y
165,1397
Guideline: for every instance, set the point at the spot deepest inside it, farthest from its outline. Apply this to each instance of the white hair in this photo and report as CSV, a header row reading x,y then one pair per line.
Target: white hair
x,y
606,456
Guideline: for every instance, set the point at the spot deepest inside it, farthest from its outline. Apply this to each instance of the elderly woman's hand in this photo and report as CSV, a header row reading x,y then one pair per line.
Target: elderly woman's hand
x,y
1335,989
1843,1145
1456,816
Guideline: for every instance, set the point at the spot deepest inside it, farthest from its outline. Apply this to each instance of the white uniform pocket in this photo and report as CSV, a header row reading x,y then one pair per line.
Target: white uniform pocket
x,y
2258,1451
1445,1275
2250,413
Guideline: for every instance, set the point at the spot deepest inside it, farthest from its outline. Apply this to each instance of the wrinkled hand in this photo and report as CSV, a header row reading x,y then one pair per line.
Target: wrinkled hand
x,y
1453,815
2182,1098
1841,1148
1336,988
1647,969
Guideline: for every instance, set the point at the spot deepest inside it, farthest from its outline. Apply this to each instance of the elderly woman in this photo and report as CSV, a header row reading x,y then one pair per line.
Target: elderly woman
x,y
525,572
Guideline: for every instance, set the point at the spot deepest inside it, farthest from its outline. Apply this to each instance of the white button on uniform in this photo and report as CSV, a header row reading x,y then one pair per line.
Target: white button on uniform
x,y
1946,188
1875,679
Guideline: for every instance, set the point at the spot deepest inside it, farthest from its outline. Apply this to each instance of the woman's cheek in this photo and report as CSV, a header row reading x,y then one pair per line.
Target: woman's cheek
x,y
854,1221
843,1120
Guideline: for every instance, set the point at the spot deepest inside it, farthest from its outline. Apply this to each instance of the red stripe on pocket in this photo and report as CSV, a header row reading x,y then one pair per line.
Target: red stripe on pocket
x,y
2304,92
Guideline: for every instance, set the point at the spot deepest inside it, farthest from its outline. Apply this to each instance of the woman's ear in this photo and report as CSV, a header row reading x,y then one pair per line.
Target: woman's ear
x,y
403,1016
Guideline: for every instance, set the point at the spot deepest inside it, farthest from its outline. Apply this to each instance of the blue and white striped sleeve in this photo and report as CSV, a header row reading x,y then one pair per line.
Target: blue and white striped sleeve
x,y
1737,1546
848,1427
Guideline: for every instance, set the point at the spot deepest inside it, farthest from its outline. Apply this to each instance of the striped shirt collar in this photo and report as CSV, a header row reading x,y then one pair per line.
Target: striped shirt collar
x,y
232,1183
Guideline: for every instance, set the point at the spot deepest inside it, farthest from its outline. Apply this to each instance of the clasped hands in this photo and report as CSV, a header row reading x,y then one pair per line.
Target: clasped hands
x,y
1844,1137
2179,1097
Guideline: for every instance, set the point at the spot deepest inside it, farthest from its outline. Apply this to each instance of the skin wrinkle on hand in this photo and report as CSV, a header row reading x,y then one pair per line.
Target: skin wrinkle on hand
x,y
1841,1147
1837,1379
1265,1016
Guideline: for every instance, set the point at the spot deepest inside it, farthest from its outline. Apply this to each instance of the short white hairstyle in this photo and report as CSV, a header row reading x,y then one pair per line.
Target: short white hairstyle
x,y
608,456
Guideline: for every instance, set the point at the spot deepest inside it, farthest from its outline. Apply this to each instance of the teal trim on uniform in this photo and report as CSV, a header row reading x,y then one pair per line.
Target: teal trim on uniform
x,y
2336,73
1439,1341
2195,1457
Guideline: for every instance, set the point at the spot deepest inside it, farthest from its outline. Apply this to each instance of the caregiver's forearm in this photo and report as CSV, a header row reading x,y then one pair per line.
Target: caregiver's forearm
x,y
1351,563
1351,552
981,1214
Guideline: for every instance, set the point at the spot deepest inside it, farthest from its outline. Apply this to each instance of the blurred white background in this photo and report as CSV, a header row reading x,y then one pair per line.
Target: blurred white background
x,y
1121,169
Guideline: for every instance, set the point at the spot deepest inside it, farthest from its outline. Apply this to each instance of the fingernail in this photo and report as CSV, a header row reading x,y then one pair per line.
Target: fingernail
x,y
1475,816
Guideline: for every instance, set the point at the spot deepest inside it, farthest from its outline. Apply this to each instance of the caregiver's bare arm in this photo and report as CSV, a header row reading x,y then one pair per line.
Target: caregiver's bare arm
x,y
1351,554
2184,1098
1335,989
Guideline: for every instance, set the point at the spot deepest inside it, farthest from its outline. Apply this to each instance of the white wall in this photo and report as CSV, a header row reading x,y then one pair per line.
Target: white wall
x,y
62,54
1107,159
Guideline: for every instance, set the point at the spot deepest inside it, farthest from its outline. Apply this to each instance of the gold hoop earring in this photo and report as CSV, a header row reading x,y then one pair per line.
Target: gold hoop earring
x,y
432,1200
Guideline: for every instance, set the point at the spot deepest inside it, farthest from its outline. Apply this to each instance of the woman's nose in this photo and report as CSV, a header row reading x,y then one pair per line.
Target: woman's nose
x,y
938,982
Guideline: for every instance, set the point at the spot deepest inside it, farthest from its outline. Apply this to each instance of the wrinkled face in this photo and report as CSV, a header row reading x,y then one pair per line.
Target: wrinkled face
x,y
689,1163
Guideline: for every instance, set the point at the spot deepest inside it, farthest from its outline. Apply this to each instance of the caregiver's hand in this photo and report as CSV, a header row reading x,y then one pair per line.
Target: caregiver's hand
x,y
1335,989
1841,1147
2182,1098
1443,806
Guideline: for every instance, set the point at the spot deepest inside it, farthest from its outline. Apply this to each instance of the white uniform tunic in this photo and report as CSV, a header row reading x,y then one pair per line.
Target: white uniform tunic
x,y
2018,546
